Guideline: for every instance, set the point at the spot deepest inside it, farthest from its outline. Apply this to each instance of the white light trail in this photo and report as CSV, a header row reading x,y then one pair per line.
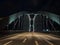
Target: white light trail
x,y
7,43
30,35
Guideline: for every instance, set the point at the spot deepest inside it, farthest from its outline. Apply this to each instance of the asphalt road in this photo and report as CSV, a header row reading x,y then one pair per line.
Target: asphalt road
x,y
30,38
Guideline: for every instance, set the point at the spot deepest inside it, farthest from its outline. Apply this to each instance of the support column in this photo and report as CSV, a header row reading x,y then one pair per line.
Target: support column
x,y
34,22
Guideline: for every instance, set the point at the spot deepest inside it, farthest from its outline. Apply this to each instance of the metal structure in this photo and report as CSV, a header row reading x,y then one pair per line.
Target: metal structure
x,y
29,21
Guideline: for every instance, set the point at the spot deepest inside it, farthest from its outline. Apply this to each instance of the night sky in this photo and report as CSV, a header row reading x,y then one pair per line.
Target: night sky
x,y
8,7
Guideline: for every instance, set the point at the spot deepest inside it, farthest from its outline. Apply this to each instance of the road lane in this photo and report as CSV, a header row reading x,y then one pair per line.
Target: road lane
x,y
31,38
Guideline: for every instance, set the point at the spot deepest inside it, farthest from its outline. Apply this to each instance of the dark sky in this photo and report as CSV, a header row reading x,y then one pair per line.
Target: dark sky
x,y
8,7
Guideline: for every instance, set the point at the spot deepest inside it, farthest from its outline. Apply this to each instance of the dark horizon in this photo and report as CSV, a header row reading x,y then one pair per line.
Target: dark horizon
x,y
13,6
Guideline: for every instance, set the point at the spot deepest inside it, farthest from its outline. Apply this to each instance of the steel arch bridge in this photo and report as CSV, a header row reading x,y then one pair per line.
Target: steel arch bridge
x,y
31,21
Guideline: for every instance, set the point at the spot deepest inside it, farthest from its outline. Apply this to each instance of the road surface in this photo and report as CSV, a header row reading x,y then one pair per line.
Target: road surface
x,y
30,38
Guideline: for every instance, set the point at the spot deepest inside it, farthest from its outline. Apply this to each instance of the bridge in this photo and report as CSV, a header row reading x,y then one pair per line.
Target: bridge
x,y
28,28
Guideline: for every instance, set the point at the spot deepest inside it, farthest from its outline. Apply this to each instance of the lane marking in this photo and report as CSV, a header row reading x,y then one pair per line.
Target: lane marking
x,y
36,42
49,42
24,40
7,43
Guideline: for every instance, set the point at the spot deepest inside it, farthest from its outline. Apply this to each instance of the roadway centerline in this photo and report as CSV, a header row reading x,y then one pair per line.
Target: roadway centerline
x,y
36,42
7,43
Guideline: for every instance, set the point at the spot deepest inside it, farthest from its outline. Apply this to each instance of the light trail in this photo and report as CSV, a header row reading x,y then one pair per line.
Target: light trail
x,y
29,35
41,37
48,42
7,43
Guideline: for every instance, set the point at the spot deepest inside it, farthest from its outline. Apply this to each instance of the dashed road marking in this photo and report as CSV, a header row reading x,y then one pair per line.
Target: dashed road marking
x,y
36,42
24,40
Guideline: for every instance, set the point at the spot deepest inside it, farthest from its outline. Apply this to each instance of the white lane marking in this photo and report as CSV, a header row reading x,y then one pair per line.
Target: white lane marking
x,y
49,42
24,40
36,42
7,43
